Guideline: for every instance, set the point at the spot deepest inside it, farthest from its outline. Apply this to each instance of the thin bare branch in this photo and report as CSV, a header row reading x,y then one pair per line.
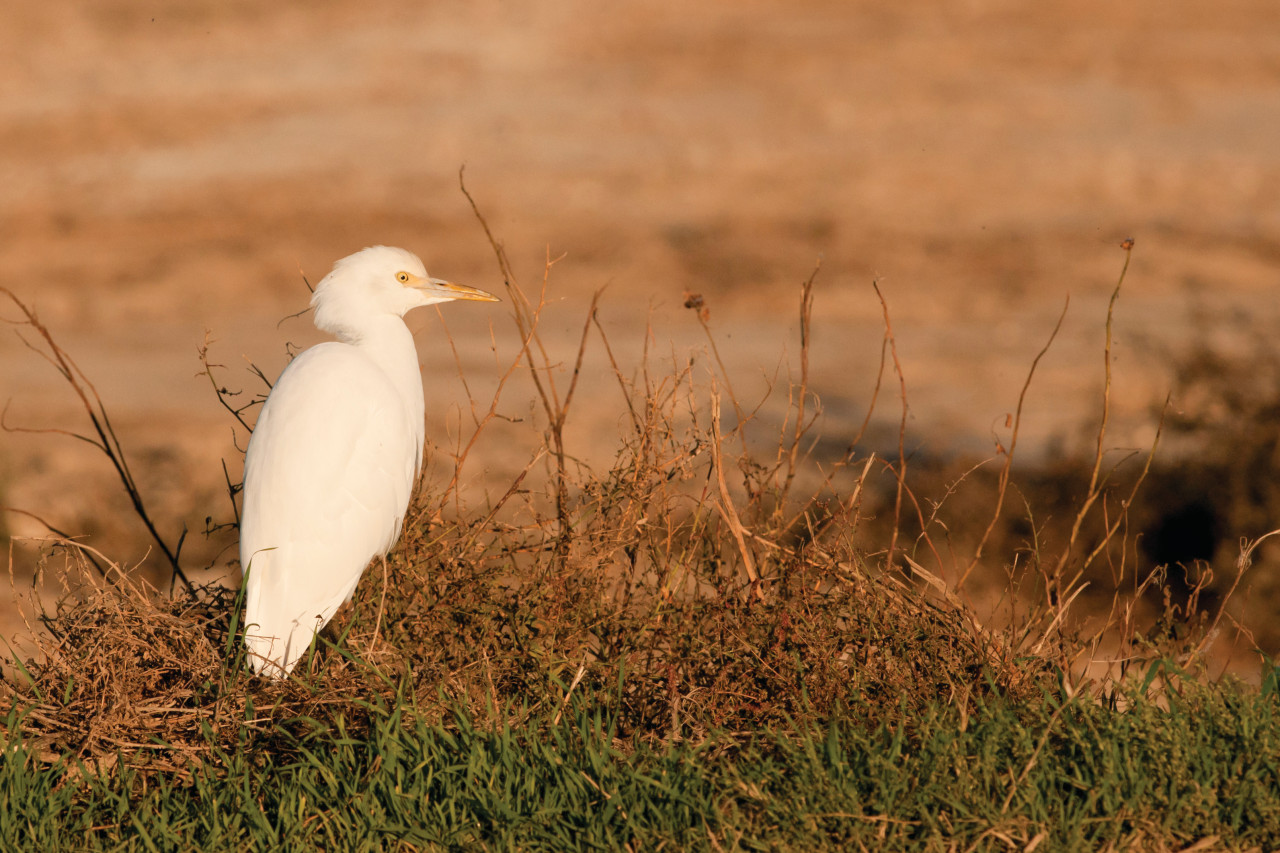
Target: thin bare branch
x,y
1013,445
107,441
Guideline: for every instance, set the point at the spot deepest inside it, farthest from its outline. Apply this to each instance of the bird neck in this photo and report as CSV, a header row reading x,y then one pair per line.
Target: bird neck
x,y
387,341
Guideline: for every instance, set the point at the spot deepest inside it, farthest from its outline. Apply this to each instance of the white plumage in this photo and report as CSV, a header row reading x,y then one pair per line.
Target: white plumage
x,y
334,454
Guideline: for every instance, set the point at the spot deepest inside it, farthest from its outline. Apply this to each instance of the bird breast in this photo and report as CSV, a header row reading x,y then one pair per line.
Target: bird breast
x,y
328,472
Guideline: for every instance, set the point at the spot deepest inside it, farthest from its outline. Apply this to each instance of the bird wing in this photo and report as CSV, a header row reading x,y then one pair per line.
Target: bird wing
x,y
328,475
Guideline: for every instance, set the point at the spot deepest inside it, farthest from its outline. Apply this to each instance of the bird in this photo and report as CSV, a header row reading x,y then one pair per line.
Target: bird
x,y
335,452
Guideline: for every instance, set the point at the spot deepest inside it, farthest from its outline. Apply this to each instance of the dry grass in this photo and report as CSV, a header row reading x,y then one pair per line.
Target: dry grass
x,y
695,586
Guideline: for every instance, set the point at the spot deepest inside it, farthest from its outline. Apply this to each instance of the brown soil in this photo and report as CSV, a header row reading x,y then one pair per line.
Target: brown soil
x,y
170,170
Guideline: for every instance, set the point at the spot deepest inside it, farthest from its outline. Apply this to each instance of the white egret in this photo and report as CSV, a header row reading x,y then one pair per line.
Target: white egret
x,y
335,452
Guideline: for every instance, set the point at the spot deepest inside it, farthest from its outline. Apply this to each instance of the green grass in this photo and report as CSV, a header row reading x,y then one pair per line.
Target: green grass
x,y
1080,773
728,638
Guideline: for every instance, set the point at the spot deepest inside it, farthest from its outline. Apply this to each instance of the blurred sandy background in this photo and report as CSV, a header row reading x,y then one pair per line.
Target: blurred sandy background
x,y
167,169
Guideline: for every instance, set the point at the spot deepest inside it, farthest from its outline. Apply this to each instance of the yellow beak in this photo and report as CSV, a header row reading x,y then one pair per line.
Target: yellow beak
x,y
449,290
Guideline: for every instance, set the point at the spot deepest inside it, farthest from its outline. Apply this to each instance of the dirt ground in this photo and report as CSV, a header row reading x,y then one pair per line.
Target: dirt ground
x,y
170,169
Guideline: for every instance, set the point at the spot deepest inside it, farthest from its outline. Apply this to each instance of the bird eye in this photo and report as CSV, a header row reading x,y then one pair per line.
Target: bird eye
x,y
402,277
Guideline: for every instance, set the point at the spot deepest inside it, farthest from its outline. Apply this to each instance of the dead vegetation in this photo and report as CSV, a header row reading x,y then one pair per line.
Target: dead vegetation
x,y
694,586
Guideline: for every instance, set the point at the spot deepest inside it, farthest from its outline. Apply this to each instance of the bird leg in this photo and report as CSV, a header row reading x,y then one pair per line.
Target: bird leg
x,y
382,604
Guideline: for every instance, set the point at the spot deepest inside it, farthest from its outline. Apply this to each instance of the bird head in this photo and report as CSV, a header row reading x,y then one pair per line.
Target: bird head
x,y
381,280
